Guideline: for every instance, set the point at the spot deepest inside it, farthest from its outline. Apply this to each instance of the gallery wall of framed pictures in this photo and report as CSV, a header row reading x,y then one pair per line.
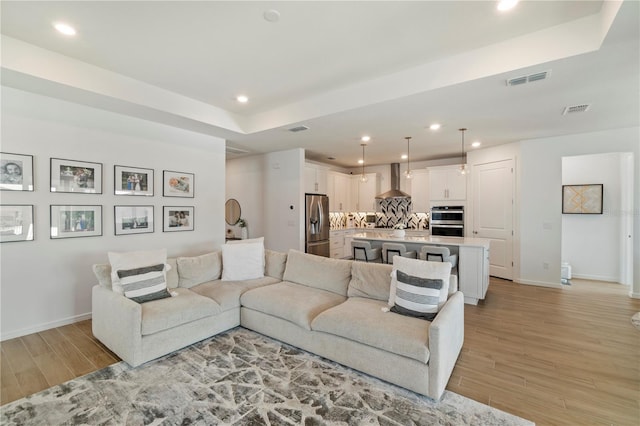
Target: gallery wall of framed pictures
x,y
78,220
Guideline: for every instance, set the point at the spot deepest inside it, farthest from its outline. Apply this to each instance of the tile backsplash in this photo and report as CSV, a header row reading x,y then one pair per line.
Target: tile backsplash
x,y
392,212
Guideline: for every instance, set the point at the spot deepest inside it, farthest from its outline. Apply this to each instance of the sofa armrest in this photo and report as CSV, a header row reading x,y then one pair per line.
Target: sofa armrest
x,y
117,322
446,335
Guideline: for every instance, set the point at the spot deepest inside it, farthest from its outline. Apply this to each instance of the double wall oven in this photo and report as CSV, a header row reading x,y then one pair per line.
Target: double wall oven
x,y
447,221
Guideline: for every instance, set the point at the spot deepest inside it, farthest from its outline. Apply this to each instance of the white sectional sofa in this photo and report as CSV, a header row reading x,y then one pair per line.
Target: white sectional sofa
x,y
333,308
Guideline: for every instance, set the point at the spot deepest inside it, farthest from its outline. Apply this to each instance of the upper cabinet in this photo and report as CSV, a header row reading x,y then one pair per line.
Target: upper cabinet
x,y
339,192
420,191
315,178
447,184
367,192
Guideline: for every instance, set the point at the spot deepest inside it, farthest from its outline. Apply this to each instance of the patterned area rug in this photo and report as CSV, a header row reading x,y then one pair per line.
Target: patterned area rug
x,y
242,378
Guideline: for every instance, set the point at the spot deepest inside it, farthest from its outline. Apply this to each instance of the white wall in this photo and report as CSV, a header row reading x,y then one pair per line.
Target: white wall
x,y
540,182
47,283
591,243
284,200
245,183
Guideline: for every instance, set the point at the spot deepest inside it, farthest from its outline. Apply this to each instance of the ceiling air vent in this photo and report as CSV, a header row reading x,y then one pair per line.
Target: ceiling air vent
x,y
576,108
235,151
298,129
528,78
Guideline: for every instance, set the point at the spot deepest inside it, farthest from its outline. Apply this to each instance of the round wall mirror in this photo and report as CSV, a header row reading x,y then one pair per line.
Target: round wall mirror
x,y
232,211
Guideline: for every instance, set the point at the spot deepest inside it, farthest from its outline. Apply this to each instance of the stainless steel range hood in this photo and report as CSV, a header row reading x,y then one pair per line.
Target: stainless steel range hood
x,y
395,185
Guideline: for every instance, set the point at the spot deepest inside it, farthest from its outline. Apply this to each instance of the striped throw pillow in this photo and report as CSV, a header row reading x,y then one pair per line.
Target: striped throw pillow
x,y
417,297
144,284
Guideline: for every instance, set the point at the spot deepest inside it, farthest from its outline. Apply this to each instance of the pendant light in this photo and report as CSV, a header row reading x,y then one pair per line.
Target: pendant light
x,y
463,166
363,178
407,173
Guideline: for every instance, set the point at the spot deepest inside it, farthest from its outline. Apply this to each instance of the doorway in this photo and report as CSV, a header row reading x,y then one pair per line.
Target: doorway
x,y
600,246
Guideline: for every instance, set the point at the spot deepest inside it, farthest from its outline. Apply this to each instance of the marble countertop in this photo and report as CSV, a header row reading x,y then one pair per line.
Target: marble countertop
x,y
422,239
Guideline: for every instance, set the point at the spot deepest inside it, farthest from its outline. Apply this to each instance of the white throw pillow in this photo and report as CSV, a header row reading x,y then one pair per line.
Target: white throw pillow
x,y
422,269
133,260
248,241
242,261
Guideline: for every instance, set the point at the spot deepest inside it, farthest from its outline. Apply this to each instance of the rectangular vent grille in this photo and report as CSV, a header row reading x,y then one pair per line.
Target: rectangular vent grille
x,y
576,108
298,129
232,150
517,81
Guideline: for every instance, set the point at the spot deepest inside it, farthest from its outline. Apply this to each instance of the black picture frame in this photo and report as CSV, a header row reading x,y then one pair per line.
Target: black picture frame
x,y
16,172
133,181
75,176
178,184
583,199
75,221
131,220
178,218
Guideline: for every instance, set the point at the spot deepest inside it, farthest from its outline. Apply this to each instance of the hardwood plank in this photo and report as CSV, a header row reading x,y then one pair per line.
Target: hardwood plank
x,y
35,344
17,355
31,380
73,359
53,369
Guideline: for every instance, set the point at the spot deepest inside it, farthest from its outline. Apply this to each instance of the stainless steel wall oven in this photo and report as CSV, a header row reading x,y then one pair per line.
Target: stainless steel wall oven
x,y
447,221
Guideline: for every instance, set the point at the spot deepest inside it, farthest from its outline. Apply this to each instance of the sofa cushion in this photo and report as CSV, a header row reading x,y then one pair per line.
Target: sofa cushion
x,y
227,293
372,280
318,272
292,302
242,261
173,278
130,260
275,263
422,269
363,320
185,306
199,269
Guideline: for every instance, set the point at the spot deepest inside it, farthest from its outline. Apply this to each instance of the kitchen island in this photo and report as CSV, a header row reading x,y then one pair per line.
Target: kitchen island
x,y
473,257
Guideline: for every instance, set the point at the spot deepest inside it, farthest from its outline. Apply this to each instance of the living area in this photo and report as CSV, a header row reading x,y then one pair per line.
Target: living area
x,y
548,355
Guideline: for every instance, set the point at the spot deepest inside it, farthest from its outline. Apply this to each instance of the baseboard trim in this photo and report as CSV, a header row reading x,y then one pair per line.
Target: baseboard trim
x,y
46,326
596,278
634,295
538,283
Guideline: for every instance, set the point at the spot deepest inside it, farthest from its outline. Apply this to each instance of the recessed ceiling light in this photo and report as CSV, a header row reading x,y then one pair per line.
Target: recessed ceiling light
x,y
504,5
65,29
435,126
271,15
361,161
242,99
404,156
365,138
476,144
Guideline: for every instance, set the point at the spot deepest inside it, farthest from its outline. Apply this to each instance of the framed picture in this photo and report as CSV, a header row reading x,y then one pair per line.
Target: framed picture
x,y
133,219
16,172
582,199
178,218
76,176
177,184
133,181
16,223
75,221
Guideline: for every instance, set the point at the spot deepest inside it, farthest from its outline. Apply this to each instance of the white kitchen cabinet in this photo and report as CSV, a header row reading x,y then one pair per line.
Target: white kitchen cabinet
x,y
447,184
420,191
336,244
315,178
366,192
473,273
339,192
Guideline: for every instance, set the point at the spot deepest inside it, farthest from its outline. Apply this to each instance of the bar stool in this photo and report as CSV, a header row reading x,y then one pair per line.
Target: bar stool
x,y
439,254
395,249
362,251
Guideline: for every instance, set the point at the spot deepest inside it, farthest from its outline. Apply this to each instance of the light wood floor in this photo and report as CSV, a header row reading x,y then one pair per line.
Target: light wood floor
x,y
566,357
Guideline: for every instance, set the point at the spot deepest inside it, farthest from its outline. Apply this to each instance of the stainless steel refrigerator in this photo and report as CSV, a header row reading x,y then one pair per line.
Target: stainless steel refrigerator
x,y
317,224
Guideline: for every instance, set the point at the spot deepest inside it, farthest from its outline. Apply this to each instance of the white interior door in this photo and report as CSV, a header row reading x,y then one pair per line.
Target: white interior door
x,y
493,213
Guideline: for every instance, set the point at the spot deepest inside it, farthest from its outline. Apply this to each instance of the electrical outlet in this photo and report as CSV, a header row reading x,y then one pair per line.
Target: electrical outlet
x,y
545,265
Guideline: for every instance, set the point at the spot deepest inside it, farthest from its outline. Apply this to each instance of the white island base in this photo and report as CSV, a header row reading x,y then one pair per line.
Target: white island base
x,y
473,258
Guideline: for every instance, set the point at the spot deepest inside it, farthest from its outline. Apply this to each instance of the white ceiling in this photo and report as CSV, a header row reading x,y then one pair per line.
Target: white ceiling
x,y
387,69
